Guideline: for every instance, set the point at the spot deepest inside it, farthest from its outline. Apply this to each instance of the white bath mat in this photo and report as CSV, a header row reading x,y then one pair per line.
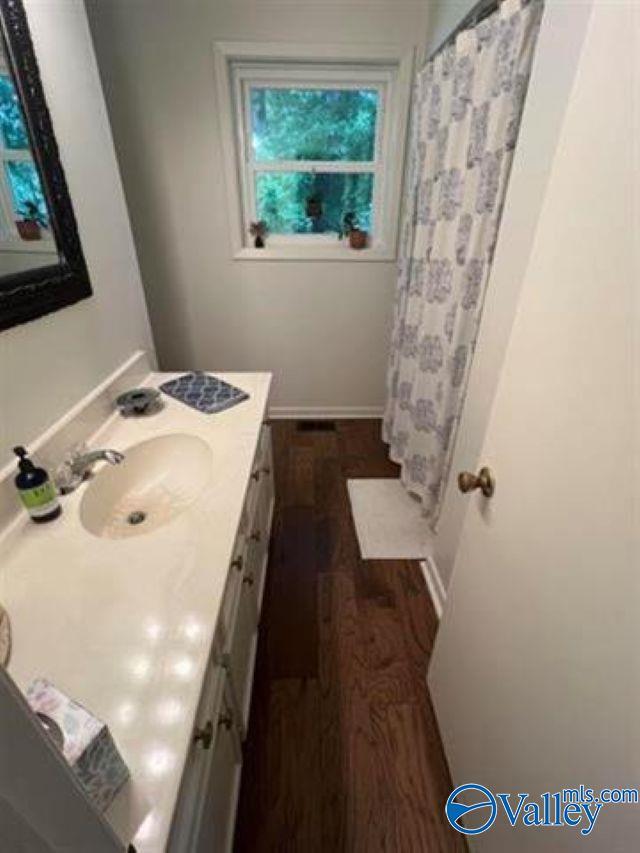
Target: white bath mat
x,y
389,522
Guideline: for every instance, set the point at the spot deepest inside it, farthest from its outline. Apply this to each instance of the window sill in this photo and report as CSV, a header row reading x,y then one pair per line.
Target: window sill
x,y
313,253
42,246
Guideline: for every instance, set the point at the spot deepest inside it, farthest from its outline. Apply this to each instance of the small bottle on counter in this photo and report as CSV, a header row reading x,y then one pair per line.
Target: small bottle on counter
x,y
37,492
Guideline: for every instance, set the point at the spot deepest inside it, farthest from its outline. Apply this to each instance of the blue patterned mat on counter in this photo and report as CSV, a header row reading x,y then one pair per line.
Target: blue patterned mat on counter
x,y
207,394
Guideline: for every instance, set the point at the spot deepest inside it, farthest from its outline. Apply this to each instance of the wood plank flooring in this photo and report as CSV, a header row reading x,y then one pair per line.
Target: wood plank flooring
x,y
343,753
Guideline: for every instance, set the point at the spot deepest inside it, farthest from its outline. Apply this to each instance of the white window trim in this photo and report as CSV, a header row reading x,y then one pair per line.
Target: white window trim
x,y
233,59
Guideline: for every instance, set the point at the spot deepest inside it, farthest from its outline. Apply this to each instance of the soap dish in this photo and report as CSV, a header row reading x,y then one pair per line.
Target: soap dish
x,y
139,402
205,393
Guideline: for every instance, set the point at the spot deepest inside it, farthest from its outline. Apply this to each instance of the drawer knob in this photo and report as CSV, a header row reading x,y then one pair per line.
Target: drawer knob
x,y
248,580
255,475
226,721
204,736
237,563
256,536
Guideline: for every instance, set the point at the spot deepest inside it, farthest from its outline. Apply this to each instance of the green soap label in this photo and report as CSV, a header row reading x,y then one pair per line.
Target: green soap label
x,y
39,496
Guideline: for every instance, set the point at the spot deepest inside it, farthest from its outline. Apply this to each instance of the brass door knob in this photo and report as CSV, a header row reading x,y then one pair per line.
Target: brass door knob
x,y
483,480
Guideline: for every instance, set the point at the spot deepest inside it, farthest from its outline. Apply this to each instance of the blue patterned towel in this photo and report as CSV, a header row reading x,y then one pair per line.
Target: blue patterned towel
x,y
207,394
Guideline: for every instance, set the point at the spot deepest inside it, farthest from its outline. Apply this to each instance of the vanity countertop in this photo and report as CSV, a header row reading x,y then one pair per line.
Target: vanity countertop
x,y
125,626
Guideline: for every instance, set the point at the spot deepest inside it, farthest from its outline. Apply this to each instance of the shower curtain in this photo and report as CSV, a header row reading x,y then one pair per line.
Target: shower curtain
x,y
466,109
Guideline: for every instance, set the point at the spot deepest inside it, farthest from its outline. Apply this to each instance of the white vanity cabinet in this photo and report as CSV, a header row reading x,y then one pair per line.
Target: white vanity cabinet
x,y
205,817
156,634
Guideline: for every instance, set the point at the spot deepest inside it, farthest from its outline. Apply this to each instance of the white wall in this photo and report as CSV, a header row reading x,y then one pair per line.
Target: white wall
x,y
48,364
322,327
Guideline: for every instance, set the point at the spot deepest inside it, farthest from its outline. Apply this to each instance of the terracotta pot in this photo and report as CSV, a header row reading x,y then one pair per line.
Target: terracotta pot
x,y
28,229
358,239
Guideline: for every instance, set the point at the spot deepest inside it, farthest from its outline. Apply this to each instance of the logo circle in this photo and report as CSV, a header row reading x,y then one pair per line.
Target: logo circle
x,y
480,797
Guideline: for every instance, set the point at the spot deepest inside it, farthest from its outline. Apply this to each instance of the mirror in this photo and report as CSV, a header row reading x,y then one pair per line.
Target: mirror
x,y
42,267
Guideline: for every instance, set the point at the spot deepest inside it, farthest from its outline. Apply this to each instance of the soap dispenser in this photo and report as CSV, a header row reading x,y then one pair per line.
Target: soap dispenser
x,y
37,492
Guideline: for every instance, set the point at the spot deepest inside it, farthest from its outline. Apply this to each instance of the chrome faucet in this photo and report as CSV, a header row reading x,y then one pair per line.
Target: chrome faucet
x,y
77,468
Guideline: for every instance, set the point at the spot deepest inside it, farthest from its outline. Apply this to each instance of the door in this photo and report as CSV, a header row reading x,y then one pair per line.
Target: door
x,y
535,675
243,648
217,817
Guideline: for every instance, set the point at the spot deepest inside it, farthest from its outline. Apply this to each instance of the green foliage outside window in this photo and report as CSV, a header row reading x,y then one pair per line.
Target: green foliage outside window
x,y
21,175
26,191
281,200
14,132
313,125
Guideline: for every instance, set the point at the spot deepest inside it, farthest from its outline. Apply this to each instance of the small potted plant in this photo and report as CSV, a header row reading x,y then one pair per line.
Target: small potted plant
x,y
29,227
258,231
357,237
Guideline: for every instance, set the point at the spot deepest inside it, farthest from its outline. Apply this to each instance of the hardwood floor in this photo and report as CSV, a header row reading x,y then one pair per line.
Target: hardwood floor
x,y
343,753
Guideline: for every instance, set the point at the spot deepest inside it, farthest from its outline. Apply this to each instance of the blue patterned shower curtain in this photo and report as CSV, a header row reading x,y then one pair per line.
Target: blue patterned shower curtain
x,y
467,104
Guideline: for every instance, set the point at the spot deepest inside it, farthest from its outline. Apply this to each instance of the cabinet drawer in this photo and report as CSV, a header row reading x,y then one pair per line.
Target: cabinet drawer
x,y
264,446
240,658
229,607
249,558
262,467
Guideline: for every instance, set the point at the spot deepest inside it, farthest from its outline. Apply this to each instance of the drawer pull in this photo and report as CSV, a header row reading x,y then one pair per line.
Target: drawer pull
x,y
255,475
226,721
266,471
204,736
237,563
256,536
248,580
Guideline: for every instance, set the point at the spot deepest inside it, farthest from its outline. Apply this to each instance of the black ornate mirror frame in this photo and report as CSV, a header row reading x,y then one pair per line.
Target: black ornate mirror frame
x,y
27,295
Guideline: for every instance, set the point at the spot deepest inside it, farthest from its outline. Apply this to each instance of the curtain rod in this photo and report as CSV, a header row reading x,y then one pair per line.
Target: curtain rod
x,y
478,13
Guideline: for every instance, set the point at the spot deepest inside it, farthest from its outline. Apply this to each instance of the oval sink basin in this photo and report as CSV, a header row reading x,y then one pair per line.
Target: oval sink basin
x,y
157,481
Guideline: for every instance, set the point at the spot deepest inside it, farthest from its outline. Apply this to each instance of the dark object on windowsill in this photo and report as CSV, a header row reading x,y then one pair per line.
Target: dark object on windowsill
x,y
313,207
28,229
358,238
31,223
348,224
258,231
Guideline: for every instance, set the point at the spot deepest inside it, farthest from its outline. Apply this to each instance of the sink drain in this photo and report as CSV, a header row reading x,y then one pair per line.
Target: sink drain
x,y
136,517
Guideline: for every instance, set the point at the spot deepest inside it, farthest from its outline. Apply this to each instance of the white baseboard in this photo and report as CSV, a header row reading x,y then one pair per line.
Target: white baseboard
x,y
434,584
324,412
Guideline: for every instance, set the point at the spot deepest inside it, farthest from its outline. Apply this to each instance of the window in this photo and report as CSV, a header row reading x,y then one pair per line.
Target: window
x,y
314,139
21,194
